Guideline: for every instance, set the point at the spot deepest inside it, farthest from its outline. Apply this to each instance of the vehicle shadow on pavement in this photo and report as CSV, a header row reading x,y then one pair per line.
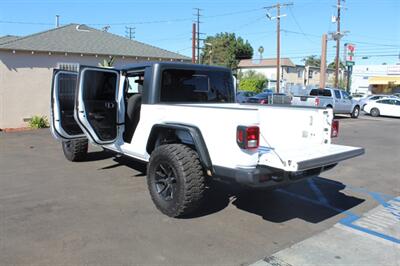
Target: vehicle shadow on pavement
x,y
138,166
97,156
313,200
340,116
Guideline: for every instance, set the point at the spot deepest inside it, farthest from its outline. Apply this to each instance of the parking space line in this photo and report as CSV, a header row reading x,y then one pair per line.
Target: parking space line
x,y
380,223
326,205
317,192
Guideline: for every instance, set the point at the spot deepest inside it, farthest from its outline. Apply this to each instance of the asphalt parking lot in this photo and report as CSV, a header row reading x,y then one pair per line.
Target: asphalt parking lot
x,y
55,212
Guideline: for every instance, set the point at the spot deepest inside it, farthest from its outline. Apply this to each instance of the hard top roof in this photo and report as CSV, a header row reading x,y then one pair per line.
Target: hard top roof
x,y
173,65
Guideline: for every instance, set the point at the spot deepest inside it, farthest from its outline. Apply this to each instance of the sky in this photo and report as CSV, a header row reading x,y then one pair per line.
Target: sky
x,y
372,25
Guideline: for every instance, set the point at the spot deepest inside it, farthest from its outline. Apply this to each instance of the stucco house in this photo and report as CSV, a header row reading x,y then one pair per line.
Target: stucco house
x,y
291,74
26,65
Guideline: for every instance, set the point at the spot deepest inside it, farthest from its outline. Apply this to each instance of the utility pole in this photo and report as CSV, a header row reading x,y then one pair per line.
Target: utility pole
x,y
337,45
278,38
194,43
198,15
130,32
323,62
337,36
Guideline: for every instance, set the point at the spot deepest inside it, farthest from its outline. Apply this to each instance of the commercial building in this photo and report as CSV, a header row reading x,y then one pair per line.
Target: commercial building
x,y
27,63
375,79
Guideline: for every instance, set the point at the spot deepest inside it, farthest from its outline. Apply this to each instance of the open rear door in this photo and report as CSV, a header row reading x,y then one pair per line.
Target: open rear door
x,y
97,105
63,124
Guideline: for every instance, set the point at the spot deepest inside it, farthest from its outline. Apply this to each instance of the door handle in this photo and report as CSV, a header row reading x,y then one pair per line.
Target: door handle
x,y
109,105
97,116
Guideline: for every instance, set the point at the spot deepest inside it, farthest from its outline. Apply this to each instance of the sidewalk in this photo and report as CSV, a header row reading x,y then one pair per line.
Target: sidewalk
x,y
372,239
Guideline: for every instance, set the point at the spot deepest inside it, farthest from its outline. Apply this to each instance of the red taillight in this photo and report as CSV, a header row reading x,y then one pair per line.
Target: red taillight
x,y
248,137
317,101
263,101
335,129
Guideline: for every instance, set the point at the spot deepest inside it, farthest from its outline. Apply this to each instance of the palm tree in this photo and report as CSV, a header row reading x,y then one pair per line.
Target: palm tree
x,y
261,51
108,63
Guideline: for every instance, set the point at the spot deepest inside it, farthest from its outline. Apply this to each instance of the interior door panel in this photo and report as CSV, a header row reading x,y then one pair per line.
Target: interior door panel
x,y
63,123
97,103
103,120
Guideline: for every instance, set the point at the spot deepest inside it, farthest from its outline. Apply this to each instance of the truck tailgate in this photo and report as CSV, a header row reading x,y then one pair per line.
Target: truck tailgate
x,y
296,139
308,157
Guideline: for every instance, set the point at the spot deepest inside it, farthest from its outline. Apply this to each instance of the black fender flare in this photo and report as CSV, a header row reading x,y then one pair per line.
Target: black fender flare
x,y
193,131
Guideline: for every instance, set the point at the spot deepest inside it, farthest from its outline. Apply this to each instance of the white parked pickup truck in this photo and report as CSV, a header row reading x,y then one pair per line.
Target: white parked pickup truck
x,y
338,100
183,121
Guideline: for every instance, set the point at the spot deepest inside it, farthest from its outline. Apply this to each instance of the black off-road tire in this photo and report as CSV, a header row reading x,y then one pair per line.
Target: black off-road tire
x,y
182,174
374,112
75,150
356,112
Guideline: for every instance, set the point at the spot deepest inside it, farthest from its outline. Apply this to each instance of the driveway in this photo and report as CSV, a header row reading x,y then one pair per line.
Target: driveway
x,y
56,212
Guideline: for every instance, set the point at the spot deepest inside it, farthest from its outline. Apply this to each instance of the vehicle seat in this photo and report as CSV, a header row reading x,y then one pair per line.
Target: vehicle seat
x,y
132,116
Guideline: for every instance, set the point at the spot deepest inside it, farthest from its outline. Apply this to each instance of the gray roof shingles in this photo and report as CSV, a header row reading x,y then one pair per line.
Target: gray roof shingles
x,y
7,38
76,38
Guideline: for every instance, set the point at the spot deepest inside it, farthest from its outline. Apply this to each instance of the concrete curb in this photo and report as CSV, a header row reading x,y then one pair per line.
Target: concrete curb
x,y
372,239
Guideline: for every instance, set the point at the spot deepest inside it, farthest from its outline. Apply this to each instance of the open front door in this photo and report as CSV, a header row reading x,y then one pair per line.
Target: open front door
x,y
63,124
97,105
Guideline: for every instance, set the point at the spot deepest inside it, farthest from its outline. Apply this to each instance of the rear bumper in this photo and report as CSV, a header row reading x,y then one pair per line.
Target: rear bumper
x,y
261,177
267,176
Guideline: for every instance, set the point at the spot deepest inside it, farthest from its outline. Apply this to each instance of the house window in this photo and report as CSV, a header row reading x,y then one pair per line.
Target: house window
x,y
68,66
300,73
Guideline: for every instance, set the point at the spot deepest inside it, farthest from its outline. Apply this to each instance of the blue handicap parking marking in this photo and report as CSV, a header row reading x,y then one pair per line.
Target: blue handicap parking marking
x,y
380,222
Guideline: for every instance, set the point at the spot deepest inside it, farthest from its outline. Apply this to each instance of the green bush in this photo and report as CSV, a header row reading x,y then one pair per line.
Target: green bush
x,y
38,122
252,84
251,81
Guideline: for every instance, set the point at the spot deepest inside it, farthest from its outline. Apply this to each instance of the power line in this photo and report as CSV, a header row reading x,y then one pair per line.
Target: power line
x,y
301,33
234,13
25,22
136,22
378,44
298,25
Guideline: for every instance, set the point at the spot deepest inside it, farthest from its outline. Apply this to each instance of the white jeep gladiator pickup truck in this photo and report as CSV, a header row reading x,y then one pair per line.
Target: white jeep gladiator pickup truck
x,y
182,120
338,100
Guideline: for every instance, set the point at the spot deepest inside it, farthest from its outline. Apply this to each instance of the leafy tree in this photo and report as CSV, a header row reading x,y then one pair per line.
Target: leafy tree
x,y
225,49
342,82
252,74
252,81
333,65
312,60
